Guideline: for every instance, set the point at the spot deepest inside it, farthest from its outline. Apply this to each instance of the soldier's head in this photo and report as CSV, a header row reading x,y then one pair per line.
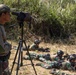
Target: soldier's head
x,y
74,55
60,53
4,13
72,58
37,41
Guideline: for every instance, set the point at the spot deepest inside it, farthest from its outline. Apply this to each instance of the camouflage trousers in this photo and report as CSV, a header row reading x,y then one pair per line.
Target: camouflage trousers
x,y
4,70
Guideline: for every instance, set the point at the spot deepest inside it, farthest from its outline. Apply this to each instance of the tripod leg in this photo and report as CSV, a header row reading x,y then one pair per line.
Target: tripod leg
x,y
14,59
21,53
30,57
19,58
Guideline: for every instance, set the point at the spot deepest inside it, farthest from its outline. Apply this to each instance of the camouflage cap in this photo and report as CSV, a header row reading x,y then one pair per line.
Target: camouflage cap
x,y
4,8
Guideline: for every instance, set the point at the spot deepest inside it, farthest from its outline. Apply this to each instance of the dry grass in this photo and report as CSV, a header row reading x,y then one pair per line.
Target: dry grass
x,y
27,68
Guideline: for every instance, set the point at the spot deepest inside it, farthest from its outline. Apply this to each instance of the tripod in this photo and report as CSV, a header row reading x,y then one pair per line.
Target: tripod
x,y
20,51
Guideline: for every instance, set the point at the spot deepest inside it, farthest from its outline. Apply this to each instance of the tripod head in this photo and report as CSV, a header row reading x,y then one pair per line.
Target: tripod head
x,y
21,17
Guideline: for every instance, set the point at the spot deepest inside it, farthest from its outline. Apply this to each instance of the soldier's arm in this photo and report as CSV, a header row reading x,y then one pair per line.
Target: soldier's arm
x,y
69,67
3,45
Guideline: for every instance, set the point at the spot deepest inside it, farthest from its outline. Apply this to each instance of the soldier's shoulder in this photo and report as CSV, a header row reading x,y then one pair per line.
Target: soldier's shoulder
x,y
53,57
32,45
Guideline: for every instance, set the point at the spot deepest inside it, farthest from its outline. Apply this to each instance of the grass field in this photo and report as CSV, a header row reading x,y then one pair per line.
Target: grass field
x,y
27,68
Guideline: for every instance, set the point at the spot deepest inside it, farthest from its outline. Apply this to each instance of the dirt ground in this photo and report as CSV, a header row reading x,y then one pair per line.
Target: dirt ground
x,y
27,68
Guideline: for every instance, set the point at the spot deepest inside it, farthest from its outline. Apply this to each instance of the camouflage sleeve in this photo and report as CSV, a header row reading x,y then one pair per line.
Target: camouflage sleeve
x,y
32,47
56,59
67,66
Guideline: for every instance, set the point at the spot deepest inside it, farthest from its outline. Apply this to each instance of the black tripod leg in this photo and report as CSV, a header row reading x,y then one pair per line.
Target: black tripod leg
x,y
14,59
30,57
21,53
20,46
21,58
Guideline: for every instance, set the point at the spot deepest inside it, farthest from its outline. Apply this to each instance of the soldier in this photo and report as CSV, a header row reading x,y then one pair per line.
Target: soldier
x,y
35,46
32,55
40,57
5,47
72,55
50,64
59,56
44,57
70,64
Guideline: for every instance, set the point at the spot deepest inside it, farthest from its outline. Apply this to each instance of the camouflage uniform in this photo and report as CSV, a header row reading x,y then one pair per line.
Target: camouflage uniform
x,y
58,59
50,64
67,66
56,63
34,47
40,57
59,56
70,64
32,55
45,56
